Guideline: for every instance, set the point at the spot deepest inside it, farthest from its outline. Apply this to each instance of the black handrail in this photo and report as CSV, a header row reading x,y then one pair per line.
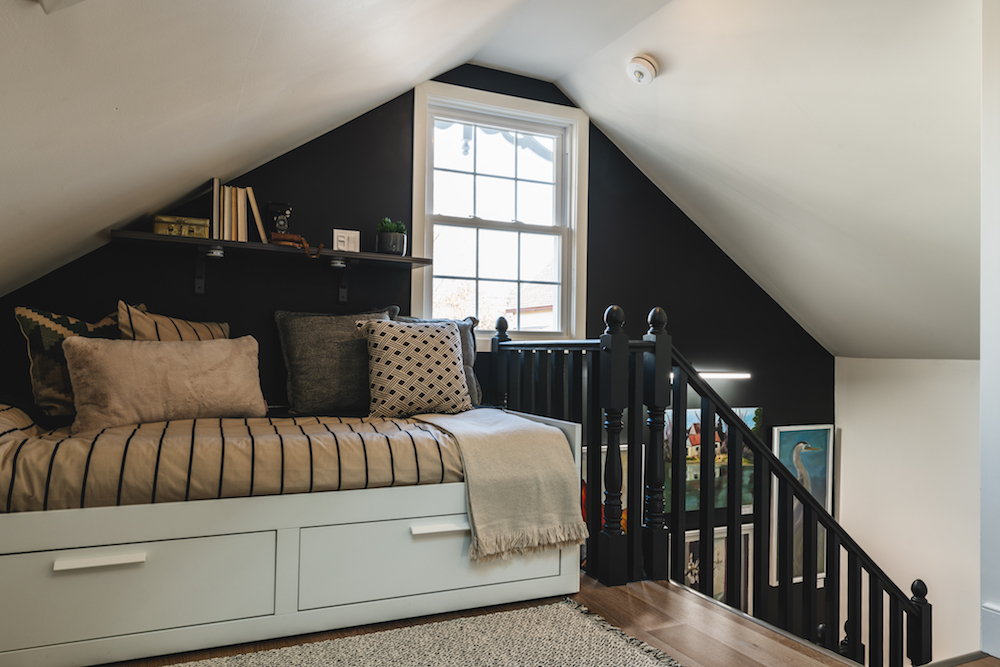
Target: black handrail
x,y
608,385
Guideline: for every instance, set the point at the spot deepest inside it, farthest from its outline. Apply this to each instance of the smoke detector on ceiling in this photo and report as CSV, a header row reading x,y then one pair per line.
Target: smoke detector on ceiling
x,y
641,69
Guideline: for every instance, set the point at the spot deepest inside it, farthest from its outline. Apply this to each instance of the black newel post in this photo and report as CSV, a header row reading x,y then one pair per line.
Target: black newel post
x,y
499,363
657,365
918,626
614,398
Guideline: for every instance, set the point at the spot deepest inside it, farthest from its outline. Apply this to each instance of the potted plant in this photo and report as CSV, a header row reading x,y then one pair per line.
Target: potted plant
x,y
391,237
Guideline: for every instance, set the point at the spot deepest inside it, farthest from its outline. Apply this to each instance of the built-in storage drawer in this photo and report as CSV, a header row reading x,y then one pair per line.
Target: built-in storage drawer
x,y
75,594
388,559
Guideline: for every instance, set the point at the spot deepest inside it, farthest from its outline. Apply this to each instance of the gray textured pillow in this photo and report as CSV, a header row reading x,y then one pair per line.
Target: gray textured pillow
x,y
118,382
467,335
327,361
415,368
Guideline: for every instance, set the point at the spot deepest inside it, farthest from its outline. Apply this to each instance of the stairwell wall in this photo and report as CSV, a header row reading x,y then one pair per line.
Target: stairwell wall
x,y
908,449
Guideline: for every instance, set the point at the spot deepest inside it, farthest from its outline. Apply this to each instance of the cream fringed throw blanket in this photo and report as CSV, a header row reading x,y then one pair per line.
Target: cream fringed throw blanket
x,y
521,486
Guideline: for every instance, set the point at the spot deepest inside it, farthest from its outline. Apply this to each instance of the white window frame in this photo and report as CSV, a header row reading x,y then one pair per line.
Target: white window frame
x,y
576,126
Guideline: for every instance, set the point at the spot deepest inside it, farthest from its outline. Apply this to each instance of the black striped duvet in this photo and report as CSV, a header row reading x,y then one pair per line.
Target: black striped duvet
x,y
214,458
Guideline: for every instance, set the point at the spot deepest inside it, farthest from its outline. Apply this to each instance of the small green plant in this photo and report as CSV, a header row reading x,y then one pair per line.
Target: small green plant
x,y
387,226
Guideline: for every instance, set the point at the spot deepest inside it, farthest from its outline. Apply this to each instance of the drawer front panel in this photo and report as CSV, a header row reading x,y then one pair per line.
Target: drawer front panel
x,y
387,559
62,596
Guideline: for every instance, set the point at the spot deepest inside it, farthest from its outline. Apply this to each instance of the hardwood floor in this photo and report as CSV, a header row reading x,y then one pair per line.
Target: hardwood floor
x,y
695,631
983,662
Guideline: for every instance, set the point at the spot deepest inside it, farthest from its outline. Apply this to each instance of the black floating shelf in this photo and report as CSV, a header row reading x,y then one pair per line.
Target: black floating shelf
x,y
387,261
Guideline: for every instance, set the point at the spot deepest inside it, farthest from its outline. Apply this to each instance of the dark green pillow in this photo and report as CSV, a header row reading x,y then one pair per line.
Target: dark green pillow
x,y
326,357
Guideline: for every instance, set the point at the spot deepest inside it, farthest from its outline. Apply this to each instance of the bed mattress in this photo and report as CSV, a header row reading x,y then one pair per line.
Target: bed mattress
x,y
215,458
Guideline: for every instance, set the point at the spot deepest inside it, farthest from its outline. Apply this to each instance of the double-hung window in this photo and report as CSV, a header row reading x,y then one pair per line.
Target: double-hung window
x,y
500,206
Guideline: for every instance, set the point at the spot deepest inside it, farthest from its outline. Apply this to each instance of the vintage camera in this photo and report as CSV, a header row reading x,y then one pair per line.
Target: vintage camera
x,y
281,215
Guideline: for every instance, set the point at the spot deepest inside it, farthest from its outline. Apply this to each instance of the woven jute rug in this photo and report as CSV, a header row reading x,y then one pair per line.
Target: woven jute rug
x,y
563,634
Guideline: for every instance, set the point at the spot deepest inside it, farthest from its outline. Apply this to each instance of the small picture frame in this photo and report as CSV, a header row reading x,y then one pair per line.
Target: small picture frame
x,y
346,240
693,571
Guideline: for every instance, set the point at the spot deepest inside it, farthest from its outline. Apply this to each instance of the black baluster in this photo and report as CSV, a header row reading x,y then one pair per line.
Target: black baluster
x,y
678,476
785,555
633,485
852,626
593,428
761,539
831,590
876,621
575,372
657,394
499,363
849,647
515,366
706,500
895,632
918,626
529,381
543,392
560,393
734,518
614,398
809,567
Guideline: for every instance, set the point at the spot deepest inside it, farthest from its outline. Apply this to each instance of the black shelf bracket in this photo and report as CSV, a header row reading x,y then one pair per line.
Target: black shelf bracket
x,y
199,273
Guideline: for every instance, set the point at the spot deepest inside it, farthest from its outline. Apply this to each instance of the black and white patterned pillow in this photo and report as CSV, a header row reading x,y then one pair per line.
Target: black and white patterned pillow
x,y
415,368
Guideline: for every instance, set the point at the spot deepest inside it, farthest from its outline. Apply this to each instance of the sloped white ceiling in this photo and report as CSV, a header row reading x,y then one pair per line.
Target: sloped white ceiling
x,y
113,108
830,148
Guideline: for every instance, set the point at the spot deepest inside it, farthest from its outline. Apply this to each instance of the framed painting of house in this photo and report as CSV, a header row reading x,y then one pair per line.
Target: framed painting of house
x,y
752,417
807,452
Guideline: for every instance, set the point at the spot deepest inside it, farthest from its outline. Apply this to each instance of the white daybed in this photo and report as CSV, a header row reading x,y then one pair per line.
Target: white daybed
x,y
103,584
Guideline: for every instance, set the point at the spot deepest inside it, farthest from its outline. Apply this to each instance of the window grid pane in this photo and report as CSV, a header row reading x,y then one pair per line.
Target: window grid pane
x,y
495,175
491,156
522,284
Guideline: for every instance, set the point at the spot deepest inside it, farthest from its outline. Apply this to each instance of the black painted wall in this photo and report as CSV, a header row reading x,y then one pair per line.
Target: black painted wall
x,y
644,252
348,178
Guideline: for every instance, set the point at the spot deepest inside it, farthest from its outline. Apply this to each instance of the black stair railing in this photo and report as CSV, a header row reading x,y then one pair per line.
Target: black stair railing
x,y
620,391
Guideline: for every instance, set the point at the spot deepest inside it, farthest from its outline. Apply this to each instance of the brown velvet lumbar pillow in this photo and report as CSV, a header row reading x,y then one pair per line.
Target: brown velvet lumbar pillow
x,y
118,382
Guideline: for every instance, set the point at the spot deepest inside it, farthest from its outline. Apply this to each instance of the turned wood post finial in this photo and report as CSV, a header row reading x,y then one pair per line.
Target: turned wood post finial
x,y
919,590
657,321
614,319
502,328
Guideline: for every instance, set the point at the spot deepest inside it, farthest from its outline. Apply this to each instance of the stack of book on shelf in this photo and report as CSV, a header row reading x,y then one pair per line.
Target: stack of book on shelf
x,y
230,214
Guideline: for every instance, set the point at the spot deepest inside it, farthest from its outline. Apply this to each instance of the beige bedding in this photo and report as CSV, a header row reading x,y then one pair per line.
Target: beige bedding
x,y
214,458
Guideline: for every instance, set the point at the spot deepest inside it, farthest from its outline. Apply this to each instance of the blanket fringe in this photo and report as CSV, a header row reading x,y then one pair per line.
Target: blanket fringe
x,y
503,546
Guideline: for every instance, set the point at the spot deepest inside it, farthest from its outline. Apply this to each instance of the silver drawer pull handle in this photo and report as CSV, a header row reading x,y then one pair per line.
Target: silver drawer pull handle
x,y
451,527
97,561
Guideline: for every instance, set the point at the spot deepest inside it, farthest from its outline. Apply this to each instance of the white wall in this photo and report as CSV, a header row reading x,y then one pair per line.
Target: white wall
x,y
989,336
909,481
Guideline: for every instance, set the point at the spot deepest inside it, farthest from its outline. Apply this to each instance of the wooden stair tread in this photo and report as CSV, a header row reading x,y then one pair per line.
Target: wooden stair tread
x,y
695,631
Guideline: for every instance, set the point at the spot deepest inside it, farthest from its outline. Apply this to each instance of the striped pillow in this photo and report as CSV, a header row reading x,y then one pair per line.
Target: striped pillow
x,y
135,324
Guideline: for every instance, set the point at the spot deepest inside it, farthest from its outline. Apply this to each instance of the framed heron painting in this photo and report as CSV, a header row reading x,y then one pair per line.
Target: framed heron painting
x,y
807,452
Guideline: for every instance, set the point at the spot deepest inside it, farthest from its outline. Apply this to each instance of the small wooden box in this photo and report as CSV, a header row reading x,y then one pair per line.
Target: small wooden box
x,y
173,225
